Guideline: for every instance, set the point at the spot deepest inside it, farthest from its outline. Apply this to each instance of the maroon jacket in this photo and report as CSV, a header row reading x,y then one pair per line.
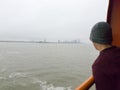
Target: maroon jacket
x,y
106,69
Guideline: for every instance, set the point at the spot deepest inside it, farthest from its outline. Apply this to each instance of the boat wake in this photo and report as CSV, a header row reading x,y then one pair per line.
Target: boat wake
x,y
45,86
20,80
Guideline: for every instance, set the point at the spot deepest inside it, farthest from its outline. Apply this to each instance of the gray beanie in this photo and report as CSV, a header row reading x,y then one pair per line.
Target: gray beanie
x,y
101,33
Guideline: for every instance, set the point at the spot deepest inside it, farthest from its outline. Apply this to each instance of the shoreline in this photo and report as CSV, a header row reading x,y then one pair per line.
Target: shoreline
x,y
41,42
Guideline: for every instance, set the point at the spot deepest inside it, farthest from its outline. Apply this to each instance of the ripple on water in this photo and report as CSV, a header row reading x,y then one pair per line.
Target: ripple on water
x,y
45,86
17,75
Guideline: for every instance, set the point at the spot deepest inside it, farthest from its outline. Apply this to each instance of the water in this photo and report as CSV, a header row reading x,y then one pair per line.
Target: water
x,y
34,66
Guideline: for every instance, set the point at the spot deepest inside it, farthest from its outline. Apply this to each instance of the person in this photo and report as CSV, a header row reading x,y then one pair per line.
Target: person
x,y
106,68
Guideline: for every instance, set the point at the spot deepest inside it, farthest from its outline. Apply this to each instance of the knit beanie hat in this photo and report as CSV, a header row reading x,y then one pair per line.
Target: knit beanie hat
x,y
101,33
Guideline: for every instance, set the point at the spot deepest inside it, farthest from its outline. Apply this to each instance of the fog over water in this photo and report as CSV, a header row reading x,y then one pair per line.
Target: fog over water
x,y
50,19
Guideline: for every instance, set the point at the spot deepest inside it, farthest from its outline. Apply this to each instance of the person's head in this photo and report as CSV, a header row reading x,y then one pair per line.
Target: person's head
x,y
101,34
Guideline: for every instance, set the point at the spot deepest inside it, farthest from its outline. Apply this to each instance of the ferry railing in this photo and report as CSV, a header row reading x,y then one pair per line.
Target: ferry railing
x,y
86,84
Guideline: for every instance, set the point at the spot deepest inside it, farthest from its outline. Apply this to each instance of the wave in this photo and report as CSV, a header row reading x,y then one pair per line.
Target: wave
x,y
45,86
2,78
3,70
23,80
17,75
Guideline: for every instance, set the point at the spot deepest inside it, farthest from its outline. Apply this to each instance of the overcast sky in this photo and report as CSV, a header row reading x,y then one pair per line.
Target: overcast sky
x,y
50,19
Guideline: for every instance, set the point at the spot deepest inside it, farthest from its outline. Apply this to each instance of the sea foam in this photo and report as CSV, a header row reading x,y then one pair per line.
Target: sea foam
x,y
45,86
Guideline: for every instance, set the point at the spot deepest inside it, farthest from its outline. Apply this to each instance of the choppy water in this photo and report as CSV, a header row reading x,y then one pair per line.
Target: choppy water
x,y
34,66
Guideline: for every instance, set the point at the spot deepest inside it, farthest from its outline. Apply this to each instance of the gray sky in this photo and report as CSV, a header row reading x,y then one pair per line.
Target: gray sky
x,y
50,19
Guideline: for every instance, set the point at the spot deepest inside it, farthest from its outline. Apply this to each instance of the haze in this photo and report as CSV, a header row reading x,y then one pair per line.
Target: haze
x,y
50,19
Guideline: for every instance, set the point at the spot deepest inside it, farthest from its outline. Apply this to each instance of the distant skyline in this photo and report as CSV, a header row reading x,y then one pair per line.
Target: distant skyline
x,y
50,19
